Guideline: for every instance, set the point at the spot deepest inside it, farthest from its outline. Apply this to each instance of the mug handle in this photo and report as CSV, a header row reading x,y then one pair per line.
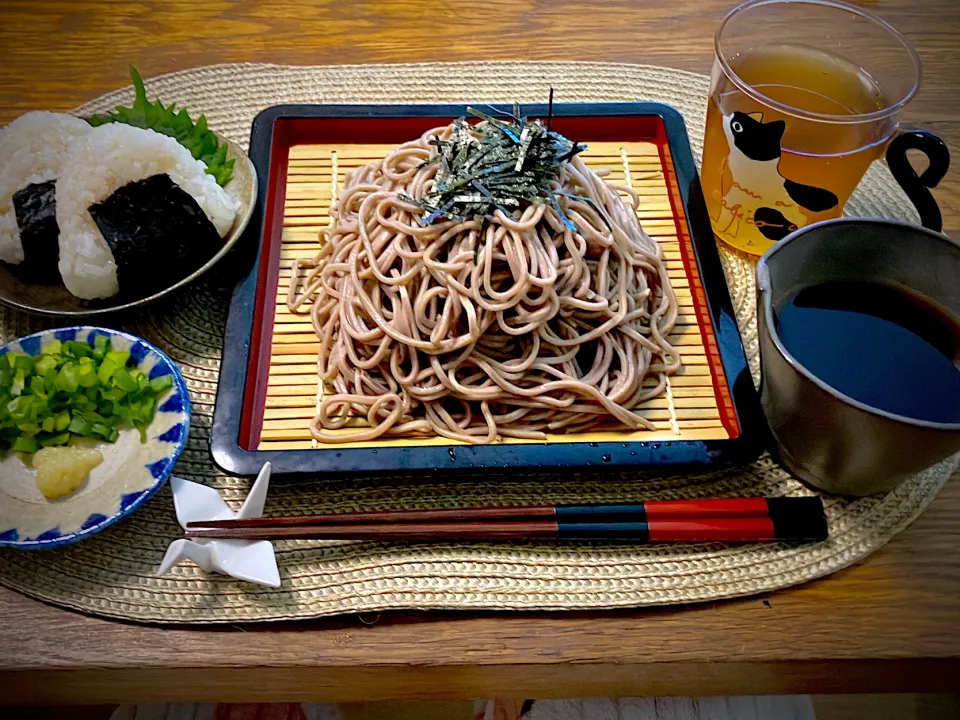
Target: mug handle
x,y
914,185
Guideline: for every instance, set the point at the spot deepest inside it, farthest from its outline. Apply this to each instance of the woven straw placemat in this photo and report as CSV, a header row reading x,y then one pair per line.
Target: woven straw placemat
x,y
113,574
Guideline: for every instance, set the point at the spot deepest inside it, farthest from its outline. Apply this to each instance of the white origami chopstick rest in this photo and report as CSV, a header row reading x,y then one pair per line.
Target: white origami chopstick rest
x,y
251,560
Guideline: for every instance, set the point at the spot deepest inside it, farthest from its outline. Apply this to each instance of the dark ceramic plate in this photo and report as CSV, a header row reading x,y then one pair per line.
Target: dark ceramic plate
x,y
56,300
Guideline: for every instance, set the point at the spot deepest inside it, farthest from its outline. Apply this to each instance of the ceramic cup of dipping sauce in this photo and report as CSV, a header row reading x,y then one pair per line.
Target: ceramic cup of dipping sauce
x,y
859,323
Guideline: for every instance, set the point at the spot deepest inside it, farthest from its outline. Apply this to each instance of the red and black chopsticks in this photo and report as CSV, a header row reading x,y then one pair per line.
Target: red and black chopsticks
x,y
722,520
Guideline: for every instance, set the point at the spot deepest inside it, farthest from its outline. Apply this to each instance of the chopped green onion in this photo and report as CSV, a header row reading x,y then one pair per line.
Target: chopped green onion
x,y
24,363
79,426
147,408
106,370
100,347
159,384
113,394
50,440
18,407
25,444
50,380
67,379
74,389
77,349
29,429
19,382
120,357
123,381
37,386
45,363
87,374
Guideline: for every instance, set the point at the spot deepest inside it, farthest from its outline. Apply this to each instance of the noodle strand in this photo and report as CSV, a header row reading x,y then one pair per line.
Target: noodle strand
x,y
476,330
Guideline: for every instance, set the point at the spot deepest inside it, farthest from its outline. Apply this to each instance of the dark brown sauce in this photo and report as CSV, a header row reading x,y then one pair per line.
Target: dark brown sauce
x,y
886,346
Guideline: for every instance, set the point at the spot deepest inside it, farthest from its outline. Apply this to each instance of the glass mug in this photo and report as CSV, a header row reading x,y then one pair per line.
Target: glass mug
x,y
805,95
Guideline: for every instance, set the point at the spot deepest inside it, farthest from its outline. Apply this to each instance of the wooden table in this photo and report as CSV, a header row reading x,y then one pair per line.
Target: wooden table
x,y
891,624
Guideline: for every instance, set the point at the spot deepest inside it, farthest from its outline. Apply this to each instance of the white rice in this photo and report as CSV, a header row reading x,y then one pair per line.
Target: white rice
x,y
104,160
32,149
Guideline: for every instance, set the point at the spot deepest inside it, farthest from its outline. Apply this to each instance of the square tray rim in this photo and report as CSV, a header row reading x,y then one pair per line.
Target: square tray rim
x,y
230,457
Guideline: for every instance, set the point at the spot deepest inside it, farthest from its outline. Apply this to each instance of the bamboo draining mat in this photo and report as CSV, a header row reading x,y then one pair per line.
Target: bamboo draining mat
x,y
688,412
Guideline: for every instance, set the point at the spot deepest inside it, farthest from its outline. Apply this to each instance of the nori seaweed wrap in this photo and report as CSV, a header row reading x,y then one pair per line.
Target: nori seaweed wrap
x,y
36,210
157,232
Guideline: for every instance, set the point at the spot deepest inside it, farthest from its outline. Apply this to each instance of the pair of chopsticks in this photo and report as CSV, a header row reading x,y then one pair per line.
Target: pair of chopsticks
x,y
722,520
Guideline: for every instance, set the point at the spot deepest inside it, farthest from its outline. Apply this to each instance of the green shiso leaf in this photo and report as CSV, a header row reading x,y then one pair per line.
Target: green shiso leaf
x,y
194,136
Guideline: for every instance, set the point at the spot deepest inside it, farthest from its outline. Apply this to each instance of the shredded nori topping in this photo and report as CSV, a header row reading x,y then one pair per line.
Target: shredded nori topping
x,y
503,164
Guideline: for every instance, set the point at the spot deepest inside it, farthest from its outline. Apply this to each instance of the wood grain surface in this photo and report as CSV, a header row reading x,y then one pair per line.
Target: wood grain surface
x,y
889,624
56,54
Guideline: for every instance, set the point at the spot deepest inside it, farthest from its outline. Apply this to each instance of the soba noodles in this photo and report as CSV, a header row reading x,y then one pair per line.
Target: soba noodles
x,y
479,329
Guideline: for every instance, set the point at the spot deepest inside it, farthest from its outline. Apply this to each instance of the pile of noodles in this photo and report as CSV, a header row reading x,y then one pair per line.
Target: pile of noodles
x,y
483,328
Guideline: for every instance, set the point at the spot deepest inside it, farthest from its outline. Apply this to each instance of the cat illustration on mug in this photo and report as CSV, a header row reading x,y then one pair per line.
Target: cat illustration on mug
x,y
754,189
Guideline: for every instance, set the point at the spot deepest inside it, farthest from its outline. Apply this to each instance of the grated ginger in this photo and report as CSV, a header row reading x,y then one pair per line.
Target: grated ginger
x,y
61,470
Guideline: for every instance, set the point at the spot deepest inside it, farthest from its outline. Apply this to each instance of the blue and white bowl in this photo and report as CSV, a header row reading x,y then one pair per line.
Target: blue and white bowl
x,y
131,471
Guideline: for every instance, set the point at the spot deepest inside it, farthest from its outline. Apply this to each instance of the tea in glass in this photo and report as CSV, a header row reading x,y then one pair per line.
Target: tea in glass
x,y
793,120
